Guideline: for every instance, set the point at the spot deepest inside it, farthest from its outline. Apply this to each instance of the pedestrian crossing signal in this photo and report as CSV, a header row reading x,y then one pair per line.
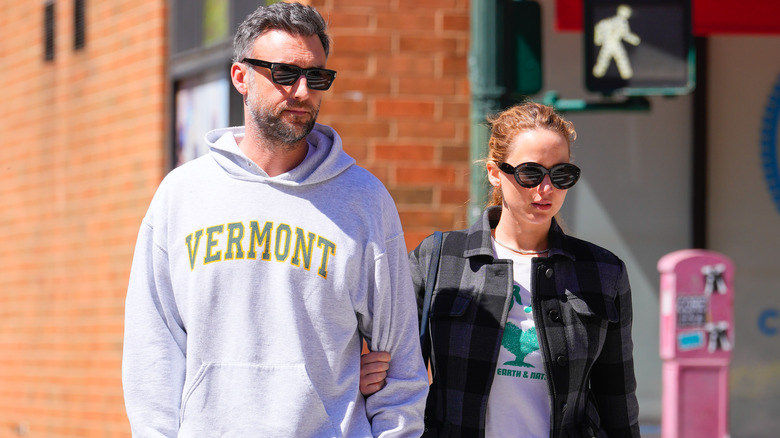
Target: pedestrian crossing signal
x,y
638,47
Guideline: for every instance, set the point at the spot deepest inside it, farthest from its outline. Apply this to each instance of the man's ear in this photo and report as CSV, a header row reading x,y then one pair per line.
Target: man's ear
x,y
239,74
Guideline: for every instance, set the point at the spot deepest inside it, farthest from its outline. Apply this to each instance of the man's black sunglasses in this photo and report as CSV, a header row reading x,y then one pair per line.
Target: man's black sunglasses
x,y
528,175
287,74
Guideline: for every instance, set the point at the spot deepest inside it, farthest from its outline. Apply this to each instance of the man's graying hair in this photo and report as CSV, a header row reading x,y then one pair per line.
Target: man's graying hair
x,y
293,18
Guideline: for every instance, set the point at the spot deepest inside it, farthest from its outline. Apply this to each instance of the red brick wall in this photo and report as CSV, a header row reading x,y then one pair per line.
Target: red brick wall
x,y
81,153
82,149
401,102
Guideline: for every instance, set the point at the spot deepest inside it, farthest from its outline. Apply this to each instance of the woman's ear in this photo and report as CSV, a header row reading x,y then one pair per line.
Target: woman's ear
x,y
493,174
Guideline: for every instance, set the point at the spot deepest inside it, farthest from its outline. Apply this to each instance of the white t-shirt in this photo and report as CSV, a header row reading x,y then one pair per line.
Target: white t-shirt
x,y
519,404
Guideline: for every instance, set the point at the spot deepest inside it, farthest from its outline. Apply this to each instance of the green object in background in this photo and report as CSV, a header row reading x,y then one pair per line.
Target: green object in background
x,y
215,21
486,93
521,48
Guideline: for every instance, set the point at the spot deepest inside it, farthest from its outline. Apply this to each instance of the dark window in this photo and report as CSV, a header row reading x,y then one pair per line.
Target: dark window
x,y
79,25
188,30
200,58
48,31
198,24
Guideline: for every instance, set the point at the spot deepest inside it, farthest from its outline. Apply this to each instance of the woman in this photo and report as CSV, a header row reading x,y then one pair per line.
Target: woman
x,y
530,329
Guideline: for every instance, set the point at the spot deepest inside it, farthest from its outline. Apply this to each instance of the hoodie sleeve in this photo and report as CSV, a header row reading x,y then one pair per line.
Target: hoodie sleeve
x,y
153,362
397,410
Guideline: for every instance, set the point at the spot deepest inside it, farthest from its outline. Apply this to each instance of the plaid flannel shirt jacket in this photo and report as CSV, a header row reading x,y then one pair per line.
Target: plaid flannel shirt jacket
x,y
582,308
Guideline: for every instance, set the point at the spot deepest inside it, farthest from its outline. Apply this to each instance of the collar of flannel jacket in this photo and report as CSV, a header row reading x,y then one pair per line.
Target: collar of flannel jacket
x,y
478,239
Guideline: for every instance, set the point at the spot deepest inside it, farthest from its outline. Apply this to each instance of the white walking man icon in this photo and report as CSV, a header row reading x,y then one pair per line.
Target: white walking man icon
x,y
610,33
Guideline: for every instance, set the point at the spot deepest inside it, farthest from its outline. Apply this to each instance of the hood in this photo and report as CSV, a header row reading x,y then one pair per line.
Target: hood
x,y
325,159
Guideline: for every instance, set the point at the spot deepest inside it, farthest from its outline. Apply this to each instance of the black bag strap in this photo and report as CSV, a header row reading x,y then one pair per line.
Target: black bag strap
x,y
433,269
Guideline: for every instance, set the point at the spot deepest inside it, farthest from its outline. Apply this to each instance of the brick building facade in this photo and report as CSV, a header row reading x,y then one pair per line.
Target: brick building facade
x,y
401,102
86,138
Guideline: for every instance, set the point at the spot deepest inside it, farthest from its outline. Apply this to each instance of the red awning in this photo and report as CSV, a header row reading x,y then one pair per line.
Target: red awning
x,y
710,17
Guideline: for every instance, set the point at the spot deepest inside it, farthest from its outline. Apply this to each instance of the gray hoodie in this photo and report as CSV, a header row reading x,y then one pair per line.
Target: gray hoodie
x,y
249,294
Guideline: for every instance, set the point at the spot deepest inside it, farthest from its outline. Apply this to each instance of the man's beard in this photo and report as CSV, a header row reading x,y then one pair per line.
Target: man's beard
x,y
273,127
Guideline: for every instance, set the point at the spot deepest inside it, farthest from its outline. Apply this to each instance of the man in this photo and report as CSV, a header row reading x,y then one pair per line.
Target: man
x,y
261,265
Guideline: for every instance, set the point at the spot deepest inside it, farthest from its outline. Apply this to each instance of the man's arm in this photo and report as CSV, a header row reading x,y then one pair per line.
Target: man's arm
x,y
155,344
398,409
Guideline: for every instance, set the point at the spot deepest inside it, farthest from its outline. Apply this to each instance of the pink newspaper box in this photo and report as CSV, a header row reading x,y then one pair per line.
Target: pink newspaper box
x,y
697,338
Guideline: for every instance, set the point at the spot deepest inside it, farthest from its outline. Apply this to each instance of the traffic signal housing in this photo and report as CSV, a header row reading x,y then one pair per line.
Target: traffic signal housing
x,y
638,47
520,49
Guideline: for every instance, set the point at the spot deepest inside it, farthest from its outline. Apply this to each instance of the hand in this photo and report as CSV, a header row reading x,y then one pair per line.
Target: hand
x,y
373,371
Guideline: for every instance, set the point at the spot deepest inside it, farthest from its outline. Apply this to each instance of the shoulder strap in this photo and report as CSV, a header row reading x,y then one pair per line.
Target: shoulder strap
x,y
433,269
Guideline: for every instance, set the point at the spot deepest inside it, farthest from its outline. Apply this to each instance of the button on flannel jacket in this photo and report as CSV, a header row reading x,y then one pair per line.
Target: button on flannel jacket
x,y
582,308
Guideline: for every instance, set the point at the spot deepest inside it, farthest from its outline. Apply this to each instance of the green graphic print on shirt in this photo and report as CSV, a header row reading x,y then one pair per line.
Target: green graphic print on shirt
x,y
518,342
